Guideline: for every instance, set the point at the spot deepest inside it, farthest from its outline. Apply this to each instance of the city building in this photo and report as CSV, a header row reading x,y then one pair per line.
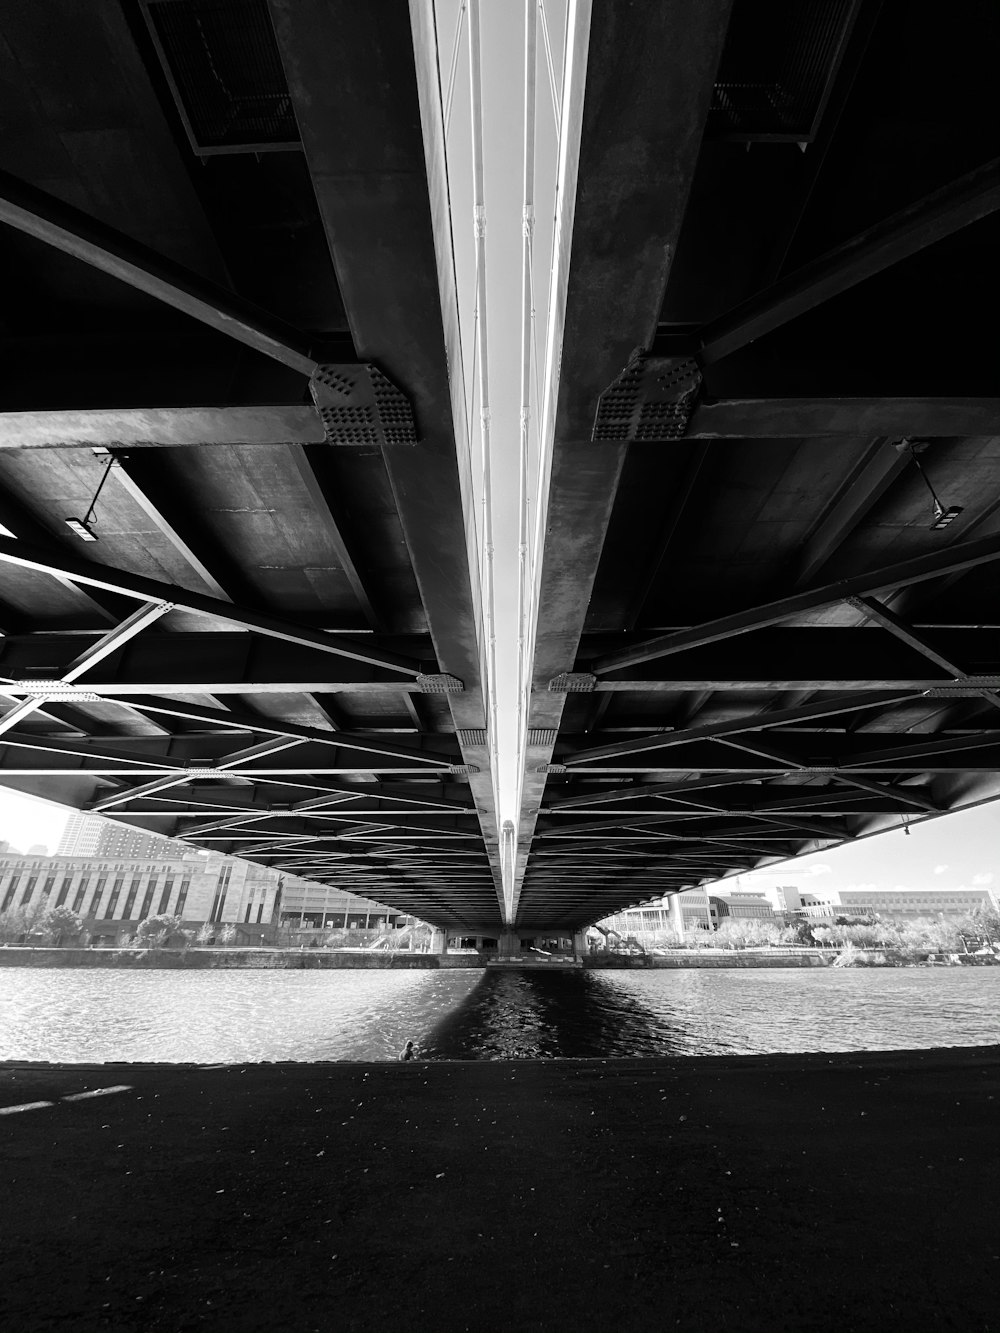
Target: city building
x,y
739,906
907,904
89,835
113,896
308,905
889,904
655,915
113,890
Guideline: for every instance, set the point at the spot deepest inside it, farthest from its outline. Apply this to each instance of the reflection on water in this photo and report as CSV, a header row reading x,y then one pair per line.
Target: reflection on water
x,y
211,1017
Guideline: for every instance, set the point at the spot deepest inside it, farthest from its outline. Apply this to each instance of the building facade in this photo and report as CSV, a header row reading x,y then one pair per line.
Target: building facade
x,y
113,891
655,915
903,904
113,896
739,906
89,835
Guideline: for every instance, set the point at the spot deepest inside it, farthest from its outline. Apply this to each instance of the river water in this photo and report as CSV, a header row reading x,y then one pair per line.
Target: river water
x,y
219,1017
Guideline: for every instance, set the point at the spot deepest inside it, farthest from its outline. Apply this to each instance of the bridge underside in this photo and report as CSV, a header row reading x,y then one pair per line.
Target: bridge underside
x,y
255,342
754,640
755,637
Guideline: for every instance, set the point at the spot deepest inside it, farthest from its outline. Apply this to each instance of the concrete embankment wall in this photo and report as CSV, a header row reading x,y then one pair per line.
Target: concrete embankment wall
x,y
229,959
295,960
711,960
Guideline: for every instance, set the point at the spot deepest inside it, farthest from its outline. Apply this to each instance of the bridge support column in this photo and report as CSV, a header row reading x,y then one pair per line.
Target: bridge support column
x,y
677,915
439,940
580,947
510,943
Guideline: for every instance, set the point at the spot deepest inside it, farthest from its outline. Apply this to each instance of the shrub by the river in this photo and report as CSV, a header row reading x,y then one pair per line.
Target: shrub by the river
x,y
159,932
62,925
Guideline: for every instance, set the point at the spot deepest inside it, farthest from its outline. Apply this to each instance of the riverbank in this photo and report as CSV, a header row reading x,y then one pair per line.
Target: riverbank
x,y
771,1193
331,960
232,959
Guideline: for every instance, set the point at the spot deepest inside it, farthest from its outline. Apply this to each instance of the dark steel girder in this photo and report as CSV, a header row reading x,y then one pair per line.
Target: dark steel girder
x,y
149,590
954,559
374,148
824,708
912,229
648,84
211,664
161,427
57,224
777,418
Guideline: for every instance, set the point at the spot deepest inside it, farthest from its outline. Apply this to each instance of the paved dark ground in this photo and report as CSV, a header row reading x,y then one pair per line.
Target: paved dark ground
x,y
764,1193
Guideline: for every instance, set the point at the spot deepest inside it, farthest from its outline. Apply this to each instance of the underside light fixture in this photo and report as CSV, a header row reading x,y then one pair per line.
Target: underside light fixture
x,y
81,526
203,773
942,517
54,691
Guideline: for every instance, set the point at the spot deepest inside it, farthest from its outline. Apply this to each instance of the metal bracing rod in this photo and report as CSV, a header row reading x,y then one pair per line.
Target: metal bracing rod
x,y
651,820
339,740
603,795
873,610
106,644
905,795
65,228
246,721
922,747
273,746
752,722
149,590
907,232
966,555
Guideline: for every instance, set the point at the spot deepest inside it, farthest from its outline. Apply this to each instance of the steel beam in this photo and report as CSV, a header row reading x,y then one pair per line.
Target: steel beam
x,y
65,228
801,418
905,233
649,85
824,708
161,427
374,148
305,466
882,465
964,556
134,585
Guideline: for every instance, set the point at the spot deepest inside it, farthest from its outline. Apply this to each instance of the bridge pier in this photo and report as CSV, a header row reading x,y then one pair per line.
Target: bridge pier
x,y
677,915
439,940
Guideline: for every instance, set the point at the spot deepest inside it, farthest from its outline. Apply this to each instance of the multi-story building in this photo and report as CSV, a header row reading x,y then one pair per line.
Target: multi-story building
x,y
739,906
906,904
308,905
113,896
89,835
655,915
113,891
895,904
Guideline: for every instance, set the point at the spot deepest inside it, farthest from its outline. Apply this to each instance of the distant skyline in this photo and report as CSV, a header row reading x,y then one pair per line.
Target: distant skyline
x,y
956,851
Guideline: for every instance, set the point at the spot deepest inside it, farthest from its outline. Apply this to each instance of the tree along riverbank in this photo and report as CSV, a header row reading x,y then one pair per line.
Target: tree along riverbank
x,y
231,959
765,1194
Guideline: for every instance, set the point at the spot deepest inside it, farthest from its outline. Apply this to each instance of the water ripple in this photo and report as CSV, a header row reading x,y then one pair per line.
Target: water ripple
x,y
212,1017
